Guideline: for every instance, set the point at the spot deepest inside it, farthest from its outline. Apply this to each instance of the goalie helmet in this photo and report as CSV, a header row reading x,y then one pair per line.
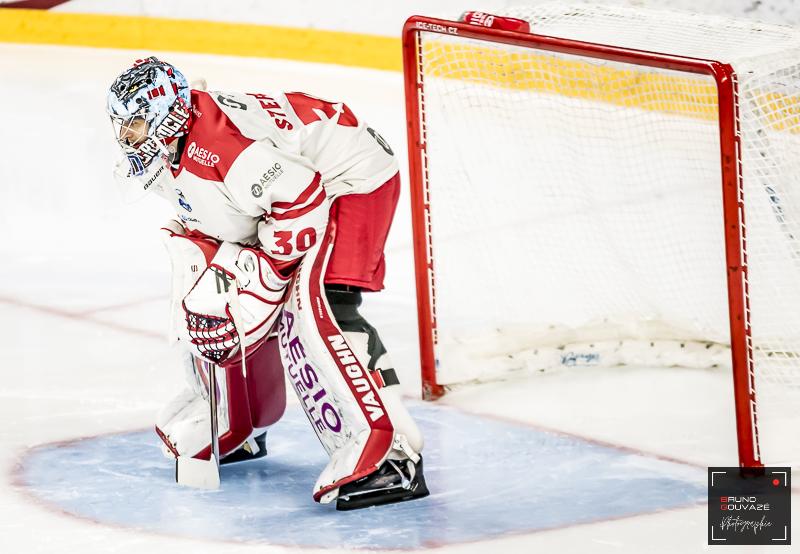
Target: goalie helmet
x,y
149,106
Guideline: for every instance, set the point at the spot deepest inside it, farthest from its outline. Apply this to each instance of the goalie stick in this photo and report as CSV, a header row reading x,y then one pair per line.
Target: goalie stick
x,y
203,474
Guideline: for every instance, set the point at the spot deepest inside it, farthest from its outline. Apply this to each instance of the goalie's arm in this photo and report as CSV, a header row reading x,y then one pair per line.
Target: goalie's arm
x,y
295,221
286,190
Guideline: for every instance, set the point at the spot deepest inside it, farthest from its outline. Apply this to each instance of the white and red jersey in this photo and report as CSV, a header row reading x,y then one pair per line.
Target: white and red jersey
x,y
261,169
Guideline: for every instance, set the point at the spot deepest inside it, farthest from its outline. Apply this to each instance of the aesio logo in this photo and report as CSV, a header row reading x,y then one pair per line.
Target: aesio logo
x,y
202,156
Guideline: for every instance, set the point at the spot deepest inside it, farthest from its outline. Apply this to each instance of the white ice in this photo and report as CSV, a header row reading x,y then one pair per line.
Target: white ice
x,y
83,298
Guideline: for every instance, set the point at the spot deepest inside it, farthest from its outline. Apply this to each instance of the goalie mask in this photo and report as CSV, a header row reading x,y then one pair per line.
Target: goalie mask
x,y
149,106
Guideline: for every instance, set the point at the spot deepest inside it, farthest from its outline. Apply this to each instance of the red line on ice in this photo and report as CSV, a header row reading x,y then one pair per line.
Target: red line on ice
x,y
83,317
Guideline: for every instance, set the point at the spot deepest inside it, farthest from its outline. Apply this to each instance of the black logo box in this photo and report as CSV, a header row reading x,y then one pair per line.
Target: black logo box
x,y
749,506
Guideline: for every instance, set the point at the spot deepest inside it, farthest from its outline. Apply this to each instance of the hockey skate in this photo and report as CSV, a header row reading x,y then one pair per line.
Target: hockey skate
x,y
395,481
246,451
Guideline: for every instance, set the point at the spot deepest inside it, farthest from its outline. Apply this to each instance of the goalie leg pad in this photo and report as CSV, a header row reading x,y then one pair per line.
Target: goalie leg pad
x,y
246,407
367,345
266,386
335,390
184,423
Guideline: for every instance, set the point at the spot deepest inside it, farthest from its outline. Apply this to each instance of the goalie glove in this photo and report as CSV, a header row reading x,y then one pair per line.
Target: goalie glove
x,y
234,303
209,320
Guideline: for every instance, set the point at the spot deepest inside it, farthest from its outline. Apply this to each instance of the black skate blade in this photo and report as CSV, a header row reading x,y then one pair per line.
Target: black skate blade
x,y
378,498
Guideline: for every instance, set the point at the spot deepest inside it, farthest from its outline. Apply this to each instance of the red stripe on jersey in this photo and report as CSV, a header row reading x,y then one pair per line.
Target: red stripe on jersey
x,y
213,143
302,199
292,214
307,109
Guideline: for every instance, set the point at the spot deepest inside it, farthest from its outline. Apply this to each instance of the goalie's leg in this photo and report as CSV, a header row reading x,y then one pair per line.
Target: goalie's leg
x,y
367,345
400,477
373,444
247,405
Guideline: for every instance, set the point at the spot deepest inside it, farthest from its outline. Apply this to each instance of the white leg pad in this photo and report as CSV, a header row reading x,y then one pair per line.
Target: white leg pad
x,y
184,424
336,391
392,398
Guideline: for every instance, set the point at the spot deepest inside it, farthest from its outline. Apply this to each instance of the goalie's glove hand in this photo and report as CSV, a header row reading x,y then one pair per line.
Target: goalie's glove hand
x,y
209,321
262,291
241,287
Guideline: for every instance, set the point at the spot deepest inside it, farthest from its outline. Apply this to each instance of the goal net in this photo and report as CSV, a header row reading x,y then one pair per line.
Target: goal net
x,y
621,186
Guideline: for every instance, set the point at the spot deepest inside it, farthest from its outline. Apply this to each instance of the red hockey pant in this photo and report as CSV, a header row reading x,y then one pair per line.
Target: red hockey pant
x,y
362,225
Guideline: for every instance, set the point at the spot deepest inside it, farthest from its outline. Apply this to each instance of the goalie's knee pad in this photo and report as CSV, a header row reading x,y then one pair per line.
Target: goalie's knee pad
x,y
366,343
246,406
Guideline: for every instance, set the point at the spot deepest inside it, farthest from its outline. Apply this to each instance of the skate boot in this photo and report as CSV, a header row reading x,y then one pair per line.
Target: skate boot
x,y
395,481
248,451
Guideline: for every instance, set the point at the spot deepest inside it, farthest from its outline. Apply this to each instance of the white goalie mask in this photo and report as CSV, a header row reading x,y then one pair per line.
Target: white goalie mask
x,y
150,107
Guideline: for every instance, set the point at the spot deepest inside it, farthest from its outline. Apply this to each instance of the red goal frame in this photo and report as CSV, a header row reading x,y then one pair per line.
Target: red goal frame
x,y
732,194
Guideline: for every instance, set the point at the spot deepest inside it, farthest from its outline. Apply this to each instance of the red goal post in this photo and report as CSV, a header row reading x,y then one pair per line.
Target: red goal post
x,y
731,189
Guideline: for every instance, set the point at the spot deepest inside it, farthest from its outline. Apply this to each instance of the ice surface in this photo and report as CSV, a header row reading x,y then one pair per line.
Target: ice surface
x,y
477,493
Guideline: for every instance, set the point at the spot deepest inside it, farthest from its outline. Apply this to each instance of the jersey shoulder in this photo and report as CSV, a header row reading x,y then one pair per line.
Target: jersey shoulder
x,y
214,141
311,110
261,117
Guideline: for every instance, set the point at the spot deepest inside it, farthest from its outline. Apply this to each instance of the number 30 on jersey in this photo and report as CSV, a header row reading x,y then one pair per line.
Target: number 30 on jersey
x,y
288,241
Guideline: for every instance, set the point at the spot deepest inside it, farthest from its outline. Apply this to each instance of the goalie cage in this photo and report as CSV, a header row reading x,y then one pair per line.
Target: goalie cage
x,y
580,193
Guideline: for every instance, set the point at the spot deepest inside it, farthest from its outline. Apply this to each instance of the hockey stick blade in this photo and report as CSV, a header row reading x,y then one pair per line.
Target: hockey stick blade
x,y
203,474
200,474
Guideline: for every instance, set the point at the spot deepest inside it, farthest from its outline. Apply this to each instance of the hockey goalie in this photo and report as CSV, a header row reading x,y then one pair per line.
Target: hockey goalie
x,y
283,204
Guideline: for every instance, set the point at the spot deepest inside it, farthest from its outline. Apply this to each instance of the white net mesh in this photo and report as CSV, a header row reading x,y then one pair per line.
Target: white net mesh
x,y
576,204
